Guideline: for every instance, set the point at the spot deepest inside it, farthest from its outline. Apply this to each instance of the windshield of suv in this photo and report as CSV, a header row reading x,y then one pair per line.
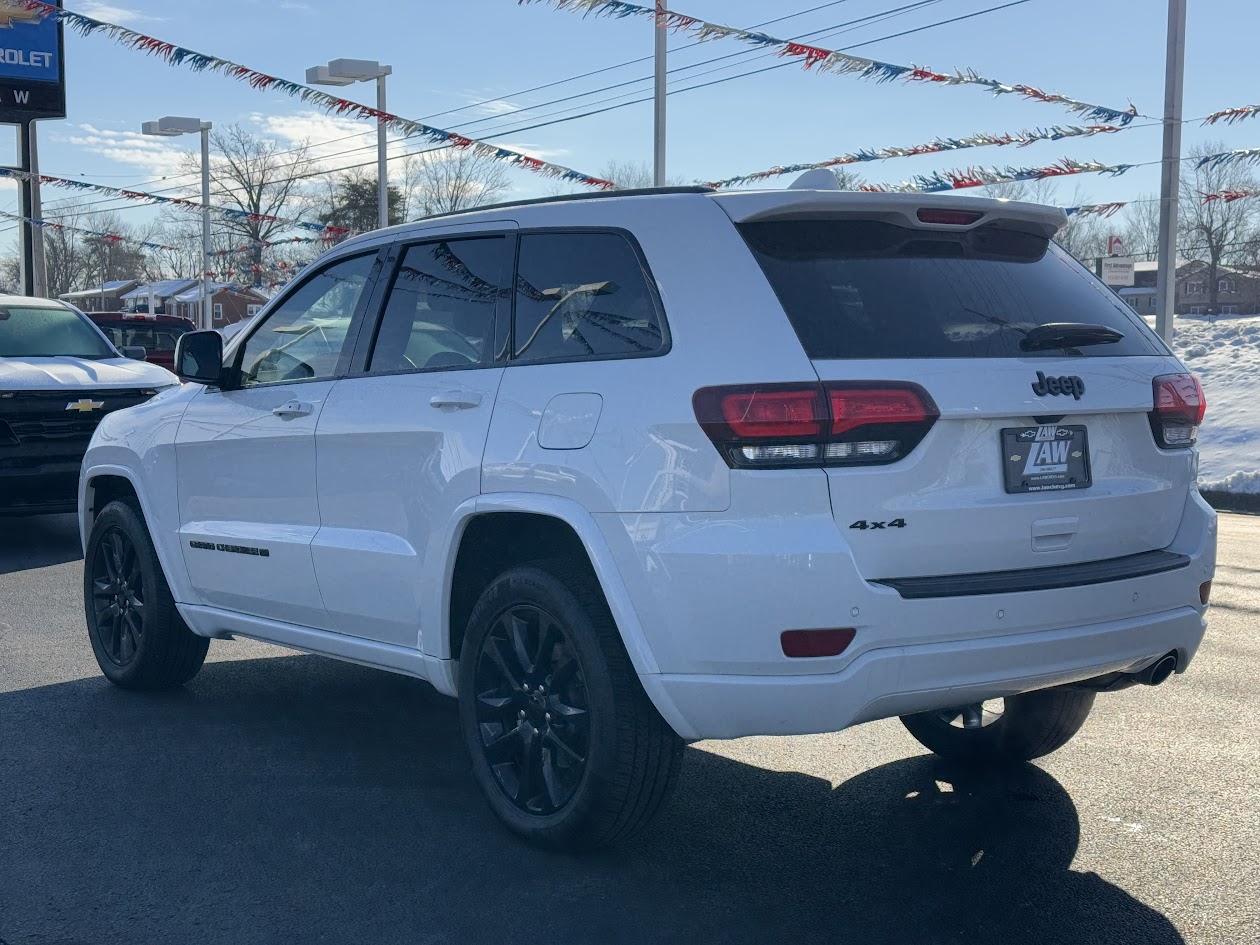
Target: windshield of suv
x,y
49,332
869,289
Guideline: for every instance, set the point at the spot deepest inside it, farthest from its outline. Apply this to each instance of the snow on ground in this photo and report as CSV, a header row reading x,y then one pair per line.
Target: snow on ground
x,y
1226,357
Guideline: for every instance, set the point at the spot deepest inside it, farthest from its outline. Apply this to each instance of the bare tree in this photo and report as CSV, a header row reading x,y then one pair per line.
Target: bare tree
x,y
75,260
259,177
1216,231
451,179
1084,236
1140,226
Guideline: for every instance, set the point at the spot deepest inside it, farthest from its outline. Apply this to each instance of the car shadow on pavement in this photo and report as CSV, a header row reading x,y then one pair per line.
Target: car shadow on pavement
x,y
38,541
294,800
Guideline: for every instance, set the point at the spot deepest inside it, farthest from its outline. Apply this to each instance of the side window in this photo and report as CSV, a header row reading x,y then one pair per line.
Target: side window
x,y
302,338
440,311
582,295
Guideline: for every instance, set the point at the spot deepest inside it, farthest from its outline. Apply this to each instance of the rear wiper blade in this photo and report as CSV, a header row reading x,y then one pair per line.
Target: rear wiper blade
x,y
1068,335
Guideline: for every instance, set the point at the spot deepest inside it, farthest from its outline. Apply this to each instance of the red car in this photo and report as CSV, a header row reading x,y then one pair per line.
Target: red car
x,y
157,334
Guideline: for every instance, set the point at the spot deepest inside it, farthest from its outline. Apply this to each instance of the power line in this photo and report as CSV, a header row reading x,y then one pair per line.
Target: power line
x,y
841,27
845,26
555,121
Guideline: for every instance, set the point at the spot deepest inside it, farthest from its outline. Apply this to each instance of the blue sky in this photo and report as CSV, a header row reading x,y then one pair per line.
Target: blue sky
x,y
450,55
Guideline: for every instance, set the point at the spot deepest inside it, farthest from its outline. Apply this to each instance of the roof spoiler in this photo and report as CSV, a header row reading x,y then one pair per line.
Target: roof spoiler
x,y
757,206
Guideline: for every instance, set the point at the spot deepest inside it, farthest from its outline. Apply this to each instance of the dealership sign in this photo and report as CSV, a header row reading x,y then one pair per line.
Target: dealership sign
x,y
32,65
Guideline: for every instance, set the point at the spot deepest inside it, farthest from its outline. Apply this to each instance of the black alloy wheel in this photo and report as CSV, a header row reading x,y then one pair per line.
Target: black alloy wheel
x,y
532,710
118,597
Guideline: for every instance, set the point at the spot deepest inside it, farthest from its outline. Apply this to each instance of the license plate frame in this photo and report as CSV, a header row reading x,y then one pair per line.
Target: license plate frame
x,y
1035,459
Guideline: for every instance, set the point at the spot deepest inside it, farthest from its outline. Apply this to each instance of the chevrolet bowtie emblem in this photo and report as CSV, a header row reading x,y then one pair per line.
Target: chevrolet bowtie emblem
x,y
85,405
11,13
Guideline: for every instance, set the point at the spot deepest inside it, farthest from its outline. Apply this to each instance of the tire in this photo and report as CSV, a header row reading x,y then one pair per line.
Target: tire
x,y
1031,725
587,761
139,639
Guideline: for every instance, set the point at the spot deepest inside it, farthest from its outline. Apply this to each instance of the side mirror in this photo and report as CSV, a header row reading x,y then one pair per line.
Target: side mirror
x,y
135,352
199,357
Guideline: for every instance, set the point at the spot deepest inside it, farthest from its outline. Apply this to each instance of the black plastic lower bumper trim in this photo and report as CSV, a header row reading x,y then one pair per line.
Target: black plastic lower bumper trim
x,y
1037,579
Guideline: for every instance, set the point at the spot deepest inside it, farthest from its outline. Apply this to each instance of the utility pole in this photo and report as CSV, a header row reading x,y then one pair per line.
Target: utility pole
x,y
1170,176
662,35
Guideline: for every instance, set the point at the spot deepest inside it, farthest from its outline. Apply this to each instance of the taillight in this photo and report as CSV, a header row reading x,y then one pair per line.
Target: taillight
x,y
1178,411
801,425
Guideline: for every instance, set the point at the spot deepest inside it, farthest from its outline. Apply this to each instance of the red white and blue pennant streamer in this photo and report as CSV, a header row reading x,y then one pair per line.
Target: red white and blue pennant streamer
x,y
831,60
935,146
201,62
1096,209
1229,196
964,178
114,238
268,244
1241,156
1232,115
327,232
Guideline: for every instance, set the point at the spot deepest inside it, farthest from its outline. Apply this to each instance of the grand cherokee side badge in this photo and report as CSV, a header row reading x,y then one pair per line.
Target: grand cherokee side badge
x,y
1068,384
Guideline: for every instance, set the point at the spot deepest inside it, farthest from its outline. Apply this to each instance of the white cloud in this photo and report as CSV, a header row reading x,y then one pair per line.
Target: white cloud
x,y
296,5
547,154
158,157
499,106
110,13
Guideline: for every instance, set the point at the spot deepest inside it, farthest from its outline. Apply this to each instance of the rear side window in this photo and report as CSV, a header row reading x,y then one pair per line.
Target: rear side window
x,y
582,296
867,289
440,313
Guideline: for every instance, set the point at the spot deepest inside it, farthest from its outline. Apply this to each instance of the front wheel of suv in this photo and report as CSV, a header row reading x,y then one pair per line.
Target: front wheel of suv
x,y
138,636
1014,729
564,742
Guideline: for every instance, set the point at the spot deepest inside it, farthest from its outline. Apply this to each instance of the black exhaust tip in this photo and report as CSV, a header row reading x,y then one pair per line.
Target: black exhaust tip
x,y
1164,667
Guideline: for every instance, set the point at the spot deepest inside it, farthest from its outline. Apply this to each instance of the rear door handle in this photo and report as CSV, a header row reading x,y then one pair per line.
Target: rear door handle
x,y
294,408
458,399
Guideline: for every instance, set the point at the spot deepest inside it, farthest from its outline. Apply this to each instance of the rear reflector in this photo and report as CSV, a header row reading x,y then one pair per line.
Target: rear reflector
x,y
1178,410
949,217
803,644
802,425
1205,592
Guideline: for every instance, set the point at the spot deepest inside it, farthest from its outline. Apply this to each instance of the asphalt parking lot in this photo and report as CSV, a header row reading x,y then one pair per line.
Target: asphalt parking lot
x,y
285,798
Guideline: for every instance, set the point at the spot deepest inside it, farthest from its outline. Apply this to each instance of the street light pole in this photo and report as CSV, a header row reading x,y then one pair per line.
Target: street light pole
x,y
1170,175
382,153
170,127
343,72
207,254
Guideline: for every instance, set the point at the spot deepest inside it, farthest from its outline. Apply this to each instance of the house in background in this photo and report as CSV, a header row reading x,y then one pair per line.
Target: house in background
x,y
153,297
1238,290
229,303
102,298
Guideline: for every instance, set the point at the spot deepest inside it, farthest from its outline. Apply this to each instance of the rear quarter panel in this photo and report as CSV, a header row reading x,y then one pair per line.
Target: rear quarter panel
x,y
647,453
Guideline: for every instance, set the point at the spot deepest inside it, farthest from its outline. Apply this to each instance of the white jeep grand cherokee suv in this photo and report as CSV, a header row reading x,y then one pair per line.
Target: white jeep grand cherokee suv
x,y
627,471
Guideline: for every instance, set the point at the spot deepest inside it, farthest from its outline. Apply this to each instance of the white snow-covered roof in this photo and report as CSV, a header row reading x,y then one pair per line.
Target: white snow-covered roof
x,y
161,290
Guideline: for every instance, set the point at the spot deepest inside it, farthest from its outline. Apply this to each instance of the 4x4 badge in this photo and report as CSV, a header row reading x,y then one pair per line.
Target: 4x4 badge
x,y
1068,384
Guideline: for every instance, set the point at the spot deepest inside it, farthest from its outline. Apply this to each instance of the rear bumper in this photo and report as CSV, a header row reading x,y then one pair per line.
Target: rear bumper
x,y
713,591
901,680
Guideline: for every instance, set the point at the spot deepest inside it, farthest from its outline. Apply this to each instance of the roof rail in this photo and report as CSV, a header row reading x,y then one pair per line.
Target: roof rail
x,y
564,198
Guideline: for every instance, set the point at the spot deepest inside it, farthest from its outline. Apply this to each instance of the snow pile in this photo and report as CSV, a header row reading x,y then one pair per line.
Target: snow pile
x,y
1226,357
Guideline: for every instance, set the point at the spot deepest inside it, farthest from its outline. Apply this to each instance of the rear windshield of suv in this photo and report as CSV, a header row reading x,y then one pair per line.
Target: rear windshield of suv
x,y
869,289
159,337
